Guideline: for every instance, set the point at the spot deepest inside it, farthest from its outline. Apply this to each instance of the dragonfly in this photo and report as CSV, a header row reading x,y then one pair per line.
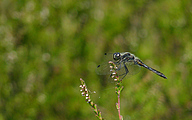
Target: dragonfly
x,y
127,64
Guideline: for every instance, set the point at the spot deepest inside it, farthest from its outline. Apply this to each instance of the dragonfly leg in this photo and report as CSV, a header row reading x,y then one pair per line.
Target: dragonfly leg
x,y
126,71
119,65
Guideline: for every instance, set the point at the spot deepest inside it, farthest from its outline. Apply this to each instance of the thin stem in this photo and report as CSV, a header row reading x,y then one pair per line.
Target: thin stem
x,y
118,87
119,110
85,92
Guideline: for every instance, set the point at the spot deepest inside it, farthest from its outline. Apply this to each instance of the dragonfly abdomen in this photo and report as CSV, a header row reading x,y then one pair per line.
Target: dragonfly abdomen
x,y
139,62
155,71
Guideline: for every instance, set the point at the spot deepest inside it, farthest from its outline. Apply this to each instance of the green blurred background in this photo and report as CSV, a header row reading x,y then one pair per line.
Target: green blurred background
x,y
47,45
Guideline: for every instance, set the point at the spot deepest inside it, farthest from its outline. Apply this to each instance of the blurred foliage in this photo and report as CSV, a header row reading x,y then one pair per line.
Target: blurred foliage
x,y
46,46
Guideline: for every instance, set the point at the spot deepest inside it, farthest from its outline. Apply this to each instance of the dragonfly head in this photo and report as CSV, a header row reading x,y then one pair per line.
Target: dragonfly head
x,y
116,56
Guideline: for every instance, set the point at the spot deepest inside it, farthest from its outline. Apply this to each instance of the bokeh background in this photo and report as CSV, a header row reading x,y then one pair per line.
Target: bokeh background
x,y
46,46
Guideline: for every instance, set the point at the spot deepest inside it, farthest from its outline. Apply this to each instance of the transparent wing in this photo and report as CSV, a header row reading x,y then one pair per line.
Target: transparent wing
x,y
131,66
103,68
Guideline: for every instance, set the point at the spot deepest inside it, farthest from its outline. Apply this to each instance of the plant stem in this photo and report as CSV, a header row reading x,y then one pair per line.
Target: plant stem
x,y
85,92
119,107
118,87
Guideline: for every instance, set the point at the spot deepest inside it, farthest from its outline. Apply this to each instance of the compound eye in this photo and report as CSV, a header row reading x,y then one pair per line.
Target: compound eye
x,y
116,56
